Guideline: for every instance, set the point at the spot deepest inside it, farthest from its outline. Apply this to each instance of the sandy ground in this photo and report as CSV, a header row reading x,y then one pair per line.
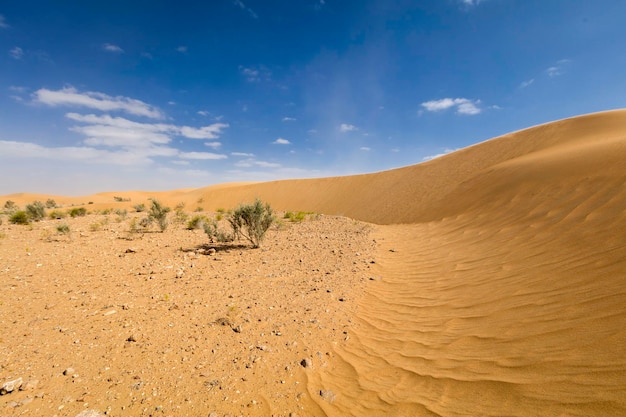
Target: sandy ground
x,y
488,282
152,324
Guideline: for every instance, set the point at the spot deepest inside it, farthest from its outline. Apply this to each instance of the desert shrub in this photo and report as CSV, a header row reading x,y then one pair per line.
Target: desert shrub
x,y
252,221
199,209
196,222
158,212
50,203
19,217
63,229
94,227
120,199
215,234
36,211
181,216
57,214
10,207
78,212
141,207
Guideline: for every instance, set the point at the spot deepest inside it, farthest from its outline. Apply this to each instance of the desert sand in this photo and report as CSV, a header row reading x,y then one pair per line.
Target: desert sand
x,y
487,282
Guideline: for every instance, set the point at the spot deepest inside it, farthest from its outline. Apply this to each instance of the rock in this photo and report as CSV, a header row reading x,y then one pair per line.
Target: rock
x,y
131,338
90,413
29,385
327,395
131,250
211,252
11,386
69,371
306,363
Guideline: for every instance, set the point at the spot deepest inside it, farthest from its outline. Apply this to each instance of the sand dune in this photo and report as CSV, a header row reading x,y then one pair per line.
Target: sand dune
x,y
503,268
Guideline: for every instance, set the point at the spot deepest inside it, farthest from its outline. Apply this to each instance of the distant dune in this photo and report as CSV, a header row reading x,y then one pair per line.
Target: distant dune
x,y
503,268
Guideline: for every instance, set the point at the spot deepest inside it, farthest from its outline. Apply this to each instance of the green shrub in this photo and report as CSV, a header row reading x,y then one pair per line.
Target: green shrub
x,y
158,212
196,222
57,214
10,207
120,199
50,203
215,234
78,212
36,211
19,217
139,207
252,221
63,229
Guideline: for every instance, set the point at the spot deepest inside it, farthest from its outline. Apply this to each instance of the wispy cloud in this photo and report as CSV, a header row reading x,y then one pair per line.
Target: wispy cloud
x,y
281,141
344,127
462,105
242,6
255,74
213,145
527,83
289,119
203,113
69,96
112,48
182,49
471,2
242,154
557,69
365,148
201,155
16,53
3,23
252,162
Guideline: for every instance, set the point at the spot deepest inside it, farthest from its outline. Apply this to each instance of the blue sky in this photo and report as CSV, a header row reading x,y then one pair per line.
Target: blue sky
x,y
158,95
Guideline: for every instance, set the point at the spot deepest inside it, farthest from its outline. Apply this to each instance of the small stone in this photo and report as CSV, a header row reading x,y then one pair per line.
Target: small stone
x,y
11,386
69,371
211,252
131,250
29,385
131,338
306,363
327,395
90,413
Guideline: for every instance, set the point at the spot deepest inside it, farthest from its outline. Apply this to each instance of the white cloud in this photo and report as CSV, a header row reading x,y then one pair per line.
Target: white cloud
x,y
281,141
69,96
251,162
243,154
3,23
255,74
558,69
16,53
347,128
182,49
365,148
242,6
206,132
463,105
527,83
201,155
112,48
289,119
203,113
471,2
213,145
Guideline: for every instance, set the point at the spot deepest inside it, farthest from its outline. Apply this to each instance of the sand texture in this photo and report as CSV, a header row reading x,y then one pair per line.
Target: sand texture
x,y
488,282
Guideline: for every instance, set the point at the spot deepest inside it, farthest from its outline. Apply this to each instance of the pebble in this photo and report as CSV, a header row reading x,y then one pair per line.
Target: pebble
x,y
11,386
306,363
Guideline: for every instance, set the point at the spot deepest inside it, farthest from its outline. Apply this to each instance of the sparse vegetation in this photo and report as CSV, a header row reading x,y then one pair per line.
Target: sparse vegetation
x,y
78,212
196,222
57,214
120,199
36,211
158,213
50,203
252,221
63,229
141,207
19,217
10,207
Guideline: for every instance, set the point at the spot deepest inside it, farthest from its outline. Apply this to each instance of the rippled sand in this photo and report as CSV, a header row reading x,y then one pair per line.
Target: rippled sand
x,y
502,268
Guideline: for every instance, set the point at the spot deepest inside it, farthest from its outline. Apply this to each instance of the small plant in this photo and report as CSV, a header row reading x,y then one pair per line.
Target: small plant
x,y
121,215
36,211
158,212
120,199
215,234
141,207
10,207
78,212
94,227
199,209
19,217
196,222
50,203
57,214
252,221
63,229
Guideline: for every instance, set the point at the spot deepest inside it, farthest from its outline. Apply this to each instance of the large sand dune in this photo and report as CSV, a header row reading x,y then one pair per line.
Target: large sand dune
x,y
503,266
